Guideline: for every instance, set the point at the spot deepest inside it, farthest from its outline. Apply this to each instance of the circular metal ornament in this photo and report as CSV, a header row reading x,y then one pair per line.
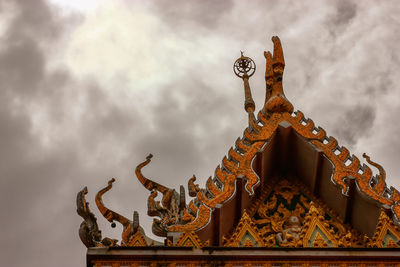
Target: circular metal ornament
x,y
244,66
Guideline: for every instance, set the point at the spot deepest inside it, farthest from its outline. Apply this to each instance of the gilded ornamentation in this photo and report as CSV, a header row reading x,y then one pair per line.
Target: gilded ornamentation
x,y
275,100
190,239
282,209
284,200
387,234
203,214
240,158
137,240
287,217
291,234
171,210
316,231
319,241
344,164
351,239
89,230
112,216
245,234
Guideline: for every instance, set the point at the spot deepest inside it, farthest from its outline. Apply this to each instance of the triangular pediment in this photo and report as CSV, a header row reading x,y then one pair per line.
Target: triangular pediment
x,y
387,233
317,232
189,239
245,235
137,240
288,215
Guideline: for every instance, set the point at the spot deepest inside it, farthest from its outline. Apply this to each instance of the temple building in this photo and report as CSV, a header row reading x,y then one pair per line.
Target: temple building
x,y
286,194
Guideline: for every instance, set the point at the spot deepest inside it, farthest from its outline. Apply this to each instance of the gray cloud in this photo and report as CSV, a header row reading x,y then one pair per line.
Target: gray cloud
x,y
343,15
185,14
355,122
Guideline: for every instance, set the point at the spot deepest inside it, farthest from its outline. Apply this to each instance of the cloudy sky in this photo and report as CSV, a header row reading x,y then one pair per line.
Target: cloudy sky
x,y
89,88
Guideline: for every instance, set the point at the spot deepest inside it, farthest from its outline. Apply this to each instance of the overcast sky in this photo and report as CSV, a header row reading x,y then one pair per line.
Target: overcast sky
x,y
89,88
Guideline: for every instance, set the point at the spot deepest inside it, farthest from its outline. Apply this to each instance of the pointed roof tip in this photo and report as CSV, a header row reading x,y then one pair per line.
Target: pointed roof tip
x,y
267,54
268,67
275,37
275,100
278,51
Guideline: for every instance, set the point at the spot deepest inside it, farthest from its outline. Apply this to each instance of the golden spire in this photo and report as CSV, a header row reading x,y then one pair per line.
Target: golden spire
x,y
244,67
275,100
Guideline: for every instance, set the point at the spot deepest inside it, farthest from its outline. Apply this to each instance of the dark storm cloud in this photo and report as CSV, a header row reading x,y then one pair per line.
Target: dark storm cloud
x,y
23,58
21,70
35,178
182,14
187,133
354,123
344,13
27,171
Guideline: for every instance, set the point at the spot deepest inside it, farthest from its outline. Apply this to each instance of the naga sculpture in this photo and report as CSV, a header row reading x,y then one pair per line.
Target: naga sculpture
x,y
112,216
172,209
89,230
377,181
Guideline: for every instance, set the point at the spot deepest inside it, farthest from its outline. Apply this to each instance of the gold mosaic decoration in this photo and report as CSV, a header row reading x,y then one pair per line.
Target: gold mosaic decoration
x,y
316,231
317,225
137,240
288,217
245,234
189,239
387,234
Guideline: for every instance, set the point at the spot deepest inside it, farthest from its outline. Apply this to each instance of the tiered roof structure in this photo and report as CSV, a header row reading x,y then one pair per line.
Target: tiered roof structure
x,y
285,193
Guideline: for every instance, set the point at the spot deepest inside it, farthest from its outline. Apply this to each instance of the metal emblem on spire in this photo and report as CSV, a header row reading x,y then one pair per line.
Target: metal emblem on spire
x,y
244,67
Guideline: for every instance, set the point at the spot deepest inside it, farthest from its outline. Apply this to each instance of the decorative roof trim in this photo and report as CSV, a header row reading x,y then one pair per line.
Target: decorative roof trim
x,y
344,165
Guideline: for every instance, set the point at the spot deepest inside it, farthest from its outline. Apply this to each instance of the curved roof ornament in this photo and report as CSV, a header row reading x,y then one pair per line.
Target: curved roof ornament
x,y
275,99
171,210
111,215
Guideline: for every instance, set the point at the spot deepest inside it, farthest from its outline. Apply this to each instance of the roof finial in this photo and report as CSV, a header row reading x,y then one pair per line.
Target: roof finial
x,y
275,100
244,67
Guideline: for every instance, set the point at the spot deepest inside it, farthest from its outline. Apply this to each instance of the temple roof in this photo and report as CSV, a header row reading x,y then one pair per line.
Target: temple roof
x,y
335,191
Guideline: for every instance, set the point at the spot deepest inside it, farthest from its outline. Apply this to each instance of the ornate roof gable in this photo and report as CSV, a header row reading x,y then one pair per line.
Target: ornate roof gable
x,y
236,178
